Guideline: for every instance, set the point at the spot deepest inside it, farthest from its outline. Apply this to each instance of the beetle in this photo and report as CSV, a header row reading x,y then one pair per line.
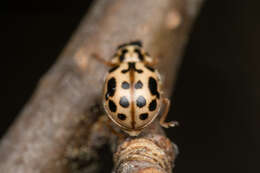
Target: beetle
x,y
132,95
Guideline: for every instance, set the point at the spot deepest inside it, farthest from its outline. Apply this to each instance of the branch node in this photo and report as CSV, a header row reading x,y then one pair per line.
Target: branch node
x,y
154,152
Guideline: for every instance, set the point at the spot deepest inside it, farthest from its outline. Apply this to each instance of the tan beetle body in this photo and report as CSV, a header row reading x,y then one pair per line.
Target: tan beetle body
x,y
132,90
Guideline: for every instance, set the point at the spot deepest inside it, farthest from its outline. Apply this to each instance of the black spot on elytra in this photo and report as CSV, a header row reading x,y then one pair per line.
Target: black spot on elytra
x,y
111,87
125,85
124,71
140,102
113,69
131,66
152,105
124,102
121,116
153,87
150,68
140,55
122,56
112,106
143,116
138,85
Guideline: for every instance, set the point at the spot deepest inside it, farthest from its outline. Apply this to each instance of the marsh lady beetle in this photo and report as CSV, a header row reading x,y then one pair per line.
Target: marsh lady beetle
x,y
132,91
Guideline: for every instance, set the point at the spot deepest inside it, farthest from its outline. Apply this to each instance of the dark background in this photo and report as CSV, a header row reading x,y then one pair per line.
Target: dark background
x,y
216,98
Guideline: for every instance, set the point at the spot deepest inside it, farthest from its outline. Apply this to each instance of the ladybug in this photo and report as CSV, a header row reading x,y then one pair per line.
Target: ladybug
x,y
132,92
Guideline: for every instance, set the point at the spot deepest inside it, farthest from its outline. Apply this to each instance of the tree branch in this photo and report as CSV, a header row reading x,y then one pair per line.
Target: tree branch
x,y
62,108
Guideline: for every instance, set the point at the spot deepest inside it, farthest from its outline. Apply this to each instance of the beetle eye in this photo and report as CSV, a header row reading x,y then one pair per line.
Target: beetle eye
x,y
143,116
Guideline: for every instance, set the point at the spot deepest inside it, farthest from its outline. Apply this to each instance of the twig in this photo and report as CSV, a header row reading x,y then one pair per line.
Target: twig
x,y
150,152
39,139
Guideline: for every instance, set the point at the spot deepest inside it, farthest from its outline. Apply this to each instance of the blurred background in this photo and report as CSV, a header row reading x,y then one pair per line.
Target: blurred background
x,y
217,92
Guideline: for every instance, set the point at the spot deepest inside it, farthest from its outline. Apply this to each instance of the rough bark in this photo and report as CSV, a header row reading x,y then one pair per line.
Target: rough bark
x,y
63,107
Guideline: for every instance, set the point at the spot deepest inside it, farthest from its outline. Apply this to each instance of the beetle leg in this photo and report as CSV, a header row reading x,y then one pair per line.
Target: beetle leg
x,y
103,61
164,124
